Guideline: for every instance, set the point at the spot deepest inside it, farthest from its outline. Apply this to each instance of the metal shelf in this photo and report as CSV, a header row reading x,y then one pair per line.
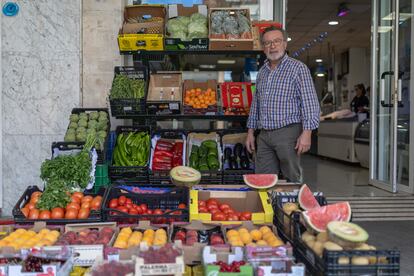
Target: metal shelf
x,y
186,117
189,52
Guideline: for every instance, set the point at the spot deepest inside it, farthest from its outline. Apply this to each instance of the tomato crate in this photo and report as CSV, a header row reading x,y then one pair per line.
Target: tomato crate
x,y
19,218
128,174
381,262
164,198
130,106
282,220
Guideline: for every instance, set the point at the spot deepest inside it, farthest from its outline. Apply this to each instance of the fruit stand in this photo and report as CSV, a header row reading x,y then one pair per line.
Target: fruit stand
x,y
144,201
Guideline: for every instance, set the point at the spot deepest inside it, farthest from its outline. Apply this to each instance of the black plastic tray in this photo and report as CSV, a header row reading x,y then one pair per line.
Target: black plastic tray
x,y
168,200
131,173
132,106
328,264
19,218
283,221
235,177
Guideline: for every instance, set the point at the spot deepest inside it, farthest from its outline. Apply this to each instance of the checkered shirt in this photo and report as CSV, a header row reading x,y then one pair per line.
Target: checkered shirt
x,y
284,96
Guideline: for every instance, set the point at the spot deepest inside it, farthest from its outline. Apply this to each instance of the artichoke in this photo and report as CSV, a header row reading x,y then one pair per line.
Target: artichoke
x,y
73,125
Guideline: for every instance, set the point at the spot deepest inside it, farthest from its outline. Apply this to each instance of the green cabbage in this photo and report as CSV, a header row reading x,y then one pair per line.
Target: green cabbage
x,y
197,29
179,34
176,25
198,17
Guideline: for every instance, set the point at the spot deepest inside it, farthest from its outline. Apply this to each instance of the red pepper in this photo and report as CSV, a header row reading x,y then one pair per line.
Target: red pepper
x,y
161,166
177,161
162,159
178,148
164,145
161,153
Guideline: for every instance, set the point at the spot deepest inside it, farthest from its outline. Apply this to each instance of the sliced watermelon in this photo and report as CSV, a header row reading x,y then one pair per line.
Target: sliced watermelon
x,y
318,218
260,181
306,198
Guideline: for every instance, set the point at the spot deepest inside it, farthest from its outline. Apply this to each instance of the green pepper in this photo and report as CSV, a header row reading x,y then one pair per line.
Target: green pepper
x,y
209,144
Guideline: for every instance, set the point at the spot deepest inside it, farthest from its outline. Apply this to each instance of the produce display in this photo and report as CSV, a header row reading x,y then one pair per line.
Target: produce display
x,y
222,211
227,24
22,238
86,236
187,27
260,181
262,236
79,207
233,267
185,176
132,149
189,237
35,263
237,157
114,268
83,124
167,155
198,98
318,218
128,237
164,255
205,156
124,87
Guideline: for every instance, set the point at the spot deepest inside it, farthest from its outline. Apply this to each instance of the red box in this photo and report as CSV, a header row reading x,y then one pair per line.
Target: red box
x,y
262,25
236,95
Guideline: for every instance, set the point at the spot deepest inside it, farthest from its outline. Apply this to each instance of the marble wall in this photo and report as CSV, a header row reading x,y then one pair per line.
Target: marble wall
x,y
40,72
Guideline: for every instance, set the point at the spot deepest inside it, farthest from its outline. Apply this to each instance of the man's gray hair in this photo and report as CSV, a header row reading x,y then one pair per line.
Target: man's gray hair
x,y
274,28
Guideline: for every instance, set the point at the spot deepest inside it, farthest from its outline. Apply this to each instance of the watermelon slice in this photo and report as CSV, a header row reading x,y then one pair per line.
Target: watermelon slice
x,y
318,218
260,181
306,198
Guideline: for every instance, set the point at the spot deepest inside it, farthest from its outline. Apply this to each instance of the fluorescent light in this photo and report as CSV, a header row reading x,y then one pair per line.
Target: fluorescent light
x,y
207,66
403,16
226,61
384,29
289,39
320,75
318,60
333,23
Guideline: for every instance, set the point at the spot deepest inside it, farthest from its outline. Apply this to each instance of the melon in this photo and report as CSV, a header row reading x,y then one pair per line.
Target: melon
x,y
185,176
306,198
260,181
348,235
318,218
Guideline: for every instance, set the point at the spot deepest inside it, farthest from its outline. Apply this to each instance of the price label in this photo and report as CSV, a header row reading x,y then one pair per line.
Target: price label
x,y
174,106
86,255
127,108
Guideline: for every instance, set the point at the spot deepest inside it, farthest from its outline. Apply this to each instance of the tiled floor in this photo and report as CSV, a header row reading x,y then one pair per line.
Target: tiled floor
x,y
339,179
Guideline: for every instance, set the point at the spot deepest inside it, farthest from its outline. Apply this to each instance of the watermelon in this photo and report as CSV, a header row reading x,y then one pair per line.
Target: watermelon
x,y
185,176
260,181
306,198
318,218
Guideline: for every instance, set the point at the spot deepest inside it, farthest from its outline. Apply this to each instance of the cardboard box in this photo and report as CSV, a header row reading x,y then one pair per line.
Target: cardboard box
x,y
256,202
176,44
176,268
227,254
225,44
249,226
192,253
236,97
229,141
165,94
204,85
130,40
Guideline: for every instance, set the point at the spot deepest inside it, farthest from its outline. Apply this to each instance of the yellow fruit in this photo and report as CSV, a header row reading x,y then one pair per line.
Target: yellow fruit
x,y
161,232
159,242
265,229
47,242
126,230
251,244
148,240
237,243
243,230
20,231
44,231
276,243
246,238
261,242
33,233
54,233
123,236
231,233
234,238
149,233
120,244
256,234
267,236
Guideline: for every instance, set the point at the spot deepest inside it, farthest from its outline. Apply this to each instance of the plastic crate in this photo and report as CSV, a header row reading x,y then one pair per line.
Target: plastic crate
x,y
128,174
283,221
235,176
19,218
101,178
158,198
130,106
387,262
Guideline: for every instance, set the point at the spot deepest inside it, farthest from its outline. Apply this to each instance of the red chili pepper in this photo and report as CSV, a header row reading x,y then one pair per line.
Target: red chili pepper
x,y
162,159
161,153
177,161
161,166
164,145
178,148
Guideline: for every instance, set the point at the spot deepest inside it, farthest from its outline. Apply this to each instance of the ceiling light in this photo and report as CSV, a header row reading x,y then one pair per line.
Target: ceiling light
x,y
384,29
342,10
320,75
207,66
318,60
333,23
289,39
226,61
403,16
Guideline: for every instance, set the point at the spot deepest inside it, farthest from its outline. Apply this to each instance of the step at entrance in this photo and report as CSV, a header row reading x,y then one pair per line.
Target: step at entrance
x,y
380,208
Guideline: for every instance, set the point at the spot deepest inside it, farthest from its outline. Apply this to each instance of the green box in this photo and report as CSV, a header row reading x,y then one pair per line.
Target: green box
x,y
245,270
101,177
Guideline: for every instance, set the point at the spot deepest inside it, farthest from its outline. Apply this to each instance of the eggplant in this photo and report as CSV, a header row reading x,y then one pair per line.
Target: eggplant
x,y
244,163
238,148
227,153
233,164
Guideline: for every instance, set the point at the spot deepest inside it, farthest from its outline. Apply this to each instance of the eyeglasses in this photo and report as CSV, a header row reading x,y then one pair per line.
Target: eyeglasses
x,y
276,42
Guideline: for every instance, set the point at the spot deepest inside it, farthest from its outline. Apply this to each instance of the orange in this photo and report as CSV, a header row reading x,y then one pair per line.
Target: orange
x,y
256,234
246,238
265,229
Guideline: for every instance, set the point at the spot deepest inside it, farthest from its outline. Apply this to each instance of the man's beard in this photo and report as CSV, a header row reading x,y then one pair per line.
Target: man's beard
x,y
276,56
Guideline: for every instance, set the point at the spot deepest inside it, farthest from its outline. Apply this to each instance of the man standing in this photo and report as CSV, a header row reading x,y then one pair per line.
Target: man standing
x,y
285,109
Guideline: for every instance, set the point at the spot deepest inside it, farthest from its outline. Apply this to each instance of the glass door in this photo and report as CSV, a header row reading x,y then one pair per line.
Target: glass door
x,y
390,100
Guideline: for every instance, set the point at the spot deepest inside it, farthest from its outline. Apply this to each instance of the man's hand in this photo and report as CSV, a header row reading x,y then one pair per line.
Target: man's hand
x,y
250,141
304,142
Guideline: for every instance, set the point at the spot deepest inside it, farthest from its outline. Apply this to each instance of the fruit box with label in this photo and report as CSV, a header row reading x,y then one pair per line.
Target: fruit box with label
x,y
165,93
258,203
143,28
200,97
87,240
166,260
229,42
193,237
224,255
195,44
236,97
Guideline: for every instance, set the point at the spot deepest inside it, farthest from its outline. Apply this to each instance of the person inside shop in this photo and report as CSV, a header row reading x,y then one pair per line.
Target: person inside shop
x,y
360,103
285,110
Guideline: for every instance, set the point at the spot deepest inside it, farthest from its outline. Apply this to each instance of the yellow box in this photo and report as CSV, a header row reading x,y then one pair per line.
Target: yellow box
x,y
136,42
252,201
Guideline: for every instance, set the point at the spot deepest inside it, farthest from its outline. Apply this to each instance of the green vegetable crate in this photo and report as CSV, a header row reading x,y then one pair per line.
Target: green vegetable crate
x,y
101,177
129,91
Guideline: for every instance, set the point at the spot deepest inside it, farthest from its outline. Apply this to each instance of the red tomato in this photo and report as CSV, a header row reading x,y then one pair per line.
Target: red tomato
x,y
122,209
182,206
122,200
34,214
149,212
138,208
78,195
30,206
212,201
144,207
34,200
211,207
75,199
202,209
128,201
73,205
36,194
58,213
96,203
201,203
224,206
213,211
71,213
45,214
228,211
133,211
158,212
232,217
25,211
128,205
87,198
83,213
247,215
113,203
219,216
86,204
